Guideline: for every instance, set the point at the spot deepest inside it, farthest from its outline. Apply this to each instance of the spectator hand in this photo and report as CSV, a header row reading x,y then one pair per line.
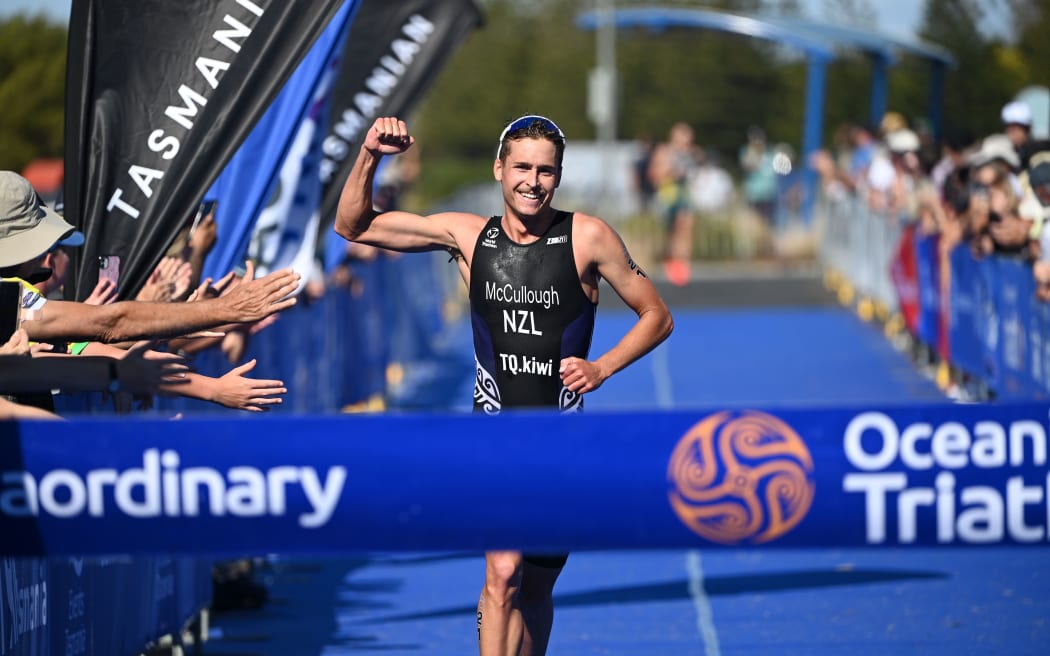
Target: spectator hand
x,y
204,237
180,283
142,371
1010,232
234,344
160,287
17,345
105,292
236,391
252,300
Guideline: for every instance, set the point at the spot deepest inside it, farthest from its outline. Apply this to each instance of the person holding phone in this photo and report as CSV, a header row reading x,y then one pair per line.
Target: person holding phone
x,y
196,240
29,229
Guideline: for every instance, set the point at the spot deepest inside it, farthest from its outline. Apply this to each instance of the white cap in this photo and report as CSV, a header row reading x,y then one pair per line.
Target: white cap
x,y
902,141
1017,112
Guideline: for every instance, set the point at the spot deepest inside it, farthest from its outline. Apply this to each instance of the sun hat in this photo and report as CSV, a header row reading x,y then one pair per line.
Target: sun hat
x,y
28,228
996,147
75,238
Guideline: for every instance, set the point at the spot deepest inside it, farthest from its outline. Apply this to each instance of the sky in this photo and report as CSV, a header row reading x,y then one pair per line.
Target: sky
x,y
900,16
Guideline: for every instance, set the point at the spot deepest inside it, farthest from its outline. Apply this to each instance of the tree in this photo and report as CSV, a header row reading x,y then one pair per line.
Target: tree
x,y
32,90
976,89
1031,20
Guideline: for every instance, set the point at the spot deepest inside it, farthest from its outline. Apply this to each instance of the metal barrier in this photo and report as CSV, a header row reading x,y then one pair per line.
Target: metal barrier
x,y
857,245
982,329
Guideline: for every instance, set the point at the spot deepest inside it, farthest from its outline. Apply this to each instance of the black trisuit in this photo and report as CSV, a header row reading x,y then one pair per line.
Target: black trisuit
x,y
528,311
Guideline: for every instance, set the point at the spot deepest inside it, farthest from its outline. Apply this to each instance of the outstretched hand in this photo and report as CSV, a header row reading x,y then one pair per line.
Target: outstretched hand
x,y
236,391
143,371
388,136
252,300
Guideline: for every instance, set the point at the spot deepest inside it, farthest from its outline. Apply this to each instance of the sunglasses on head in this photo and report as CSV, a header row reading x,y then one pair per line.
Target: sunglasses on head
x,y
525,122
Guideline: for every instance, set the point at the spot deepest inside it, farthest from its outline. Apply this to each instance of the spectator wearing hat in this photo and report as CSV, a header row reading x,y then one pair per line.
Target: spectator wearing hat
x,y
891,178
1038,194
28,231
994,221
233,389
1017,123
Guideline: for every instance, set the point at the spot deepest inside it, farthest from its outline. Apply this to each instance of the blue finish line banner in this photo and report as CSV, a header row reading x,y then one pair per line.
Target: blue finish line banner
x,y
931,475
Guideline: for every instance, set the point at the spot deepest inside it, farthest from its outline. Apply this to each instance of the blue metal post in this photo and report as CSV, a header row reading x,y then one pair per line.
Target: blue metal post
x,y
812,130
880,85
936,100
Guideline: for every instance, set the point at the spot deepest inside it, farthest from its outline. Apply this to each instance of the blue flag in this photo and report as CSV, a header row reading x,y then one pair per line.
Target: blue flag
x,y
248,182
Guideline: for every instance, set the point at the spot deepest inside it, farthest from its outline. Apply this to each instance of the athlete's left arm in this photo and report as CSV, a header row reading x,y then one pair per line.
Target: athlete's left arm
x,y
608,256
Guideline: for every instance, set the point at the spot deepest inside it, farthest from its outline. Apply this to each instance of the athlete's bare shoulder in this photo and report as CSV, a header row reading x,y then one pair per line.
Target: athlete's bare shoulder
x,y
464,227
591,230
461,223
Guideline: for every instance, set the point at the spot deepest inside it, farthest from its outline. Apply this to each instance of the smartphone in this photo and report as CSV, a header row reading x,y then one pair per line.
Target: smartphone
x,y
10,309
206,207
109,268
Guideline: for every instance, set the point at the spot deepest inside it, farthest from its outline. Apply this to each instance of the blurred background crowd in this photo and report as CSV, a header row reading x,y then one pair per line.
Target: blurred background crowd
x,y
706,168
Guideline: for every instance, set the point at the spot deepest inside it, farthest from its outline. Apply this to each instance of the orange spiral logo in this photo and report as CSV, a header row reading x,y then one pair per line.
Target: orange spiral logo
x,y
740,476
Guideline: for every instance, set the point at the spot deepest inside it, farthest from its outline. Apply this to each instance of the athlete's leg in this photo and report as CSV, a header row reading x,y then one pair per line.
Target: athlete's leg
x,y
499,613
537,603
682,235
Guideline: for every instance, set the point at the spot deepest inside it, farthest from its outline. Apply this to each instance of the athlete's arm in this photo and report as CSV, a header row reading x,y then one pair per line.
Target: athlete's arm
x,y
356,219
608,254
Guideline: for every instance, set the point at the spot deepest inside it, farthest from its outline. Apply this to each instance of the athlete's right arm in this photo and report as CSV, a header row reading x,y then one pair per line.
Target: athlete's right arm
x,y
357,220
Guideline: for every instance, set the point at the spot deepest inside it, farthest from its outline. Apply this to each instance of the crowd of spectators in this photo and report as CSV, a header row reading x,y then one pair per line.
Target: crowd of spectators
x,y
106,355
990,193
128,350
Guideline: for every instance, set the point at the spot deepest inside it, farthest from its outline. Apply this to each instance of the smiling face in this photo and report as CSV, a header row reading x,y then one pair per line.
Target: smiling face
x,y
529,173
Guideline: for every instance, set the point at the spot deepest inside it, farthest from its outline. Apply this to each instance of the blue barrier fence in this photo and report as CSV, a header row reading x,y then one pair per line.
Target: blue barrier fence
x,y
998,326
981,316
97,606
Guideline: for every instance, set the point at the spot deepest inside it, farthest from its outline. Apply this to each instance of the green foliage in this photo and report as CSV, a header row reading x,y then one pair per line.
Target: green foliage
x,y
1032,19
531,57
32,90
975,89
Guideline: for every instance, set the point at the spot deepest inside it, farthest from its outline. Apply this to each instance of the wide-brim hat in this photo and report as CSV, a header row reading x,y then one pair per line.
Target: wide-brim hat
x,y
28,227
996,147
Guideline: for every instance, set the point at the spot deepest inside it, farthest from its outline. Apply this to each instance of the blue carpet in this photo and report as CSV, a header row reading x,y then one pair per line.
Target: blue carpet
x,y
710,603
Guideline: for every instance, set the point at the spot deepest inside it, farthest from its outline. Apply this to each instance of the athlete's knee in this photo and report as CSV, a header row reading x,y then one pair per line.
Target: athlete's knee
x,y
536,596
503,572
537,584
